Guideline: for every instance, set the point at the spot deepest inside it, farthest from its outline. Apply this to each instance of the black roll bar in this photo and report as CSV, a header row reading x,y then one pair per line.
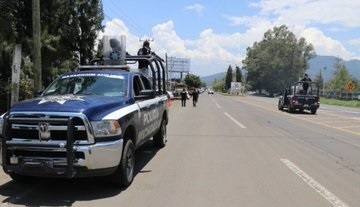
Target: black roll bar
x,y
158,74
70,171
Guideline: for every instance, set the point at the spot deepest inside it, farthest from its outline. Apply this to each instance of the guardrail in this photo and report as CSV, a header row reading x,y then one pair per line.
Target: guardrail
x,y
341,95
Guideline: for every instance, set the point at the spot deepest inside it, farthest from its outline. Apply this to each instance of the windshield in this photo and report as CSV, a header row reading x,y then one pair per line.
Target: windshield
x,y
89,84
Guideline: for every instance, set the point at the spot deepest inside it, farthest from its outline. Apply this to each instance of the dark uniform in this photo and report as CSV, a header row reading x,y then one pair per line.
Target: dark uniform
x,y
183,95
305,85
195,96
145,50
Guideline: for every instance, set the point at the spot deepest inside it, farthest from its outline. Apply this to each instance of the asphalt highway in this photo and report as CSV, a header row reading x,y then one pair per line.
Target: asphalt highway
x,y
226,151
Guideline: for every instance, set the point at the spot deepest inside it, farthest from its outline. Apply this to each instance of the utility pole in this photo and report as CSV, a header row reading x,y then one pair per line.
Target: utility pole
x,y
15,78
36,45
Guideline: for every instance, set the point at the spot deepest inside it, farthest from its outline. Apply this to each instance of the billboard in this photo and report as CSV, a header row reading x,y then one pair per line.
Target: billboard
x,y
178,64
235,87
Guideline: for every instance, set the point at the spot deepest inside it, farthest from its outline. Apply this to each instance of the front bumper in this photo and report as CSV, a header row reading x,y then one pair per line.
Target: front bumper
x,y
50,159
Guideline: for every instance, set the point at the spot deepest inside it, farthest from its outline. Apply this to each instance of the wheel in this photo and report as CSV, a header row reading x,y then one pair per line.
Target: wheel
x,y
313,111
280,107
159,138
124,174
291,109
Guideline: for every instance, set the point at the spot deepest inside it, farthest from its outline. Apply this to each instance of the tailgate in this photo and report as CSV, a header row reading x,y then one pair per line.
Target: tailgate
x,y
309,100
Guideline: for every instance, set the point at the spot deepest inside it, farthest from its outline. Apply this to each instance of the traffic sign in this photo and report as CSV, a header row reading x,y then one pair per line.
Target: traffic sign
x,y
350,86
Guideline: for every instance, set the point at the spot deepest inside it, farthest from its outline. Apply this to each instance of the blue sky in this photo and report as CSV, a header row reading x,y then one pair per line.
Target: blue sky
x,y
215,34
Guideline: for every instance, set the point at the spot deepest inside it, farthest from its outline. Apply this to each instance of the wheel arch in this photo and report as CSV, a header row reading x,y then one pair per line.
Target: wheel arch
x,y
130,133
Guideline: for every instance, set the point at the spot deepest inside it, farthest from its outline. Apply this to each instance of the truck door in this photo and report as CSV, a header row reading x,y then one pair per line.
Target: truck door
x,y
153,116
149,110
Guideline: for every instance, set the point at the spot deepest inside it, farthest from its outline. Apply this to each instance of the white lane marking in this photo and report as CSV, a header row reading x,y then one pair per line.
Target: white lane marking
x,y
340,110
230,117
235,121
218,105
335,201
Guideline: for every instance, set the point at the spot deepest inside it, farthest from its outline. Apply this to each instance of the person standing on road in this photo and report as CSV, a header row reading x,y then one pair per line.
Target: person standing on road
x,y
195,96
305,85
183,95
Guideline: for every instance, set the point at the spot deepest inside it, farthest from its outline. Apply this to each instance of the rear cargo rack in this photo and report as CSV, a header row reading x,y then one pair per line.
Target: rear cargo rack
x,y
156,66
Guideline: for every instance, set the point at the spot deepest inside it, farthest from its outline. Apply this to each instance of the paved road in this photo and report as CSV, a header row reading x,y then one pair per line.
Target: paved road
x,y
227,151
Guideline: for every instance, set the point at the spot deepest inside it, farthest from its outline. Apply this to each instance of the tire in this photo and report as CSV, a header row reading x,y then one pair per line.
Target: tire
x,y
280,107
291,109
159,138
313,111
124,174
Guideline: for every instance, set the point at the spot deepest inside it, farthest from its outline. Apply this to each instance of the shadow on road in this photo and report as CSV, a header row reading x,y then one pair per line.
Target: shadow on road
x,y
64,192
299,112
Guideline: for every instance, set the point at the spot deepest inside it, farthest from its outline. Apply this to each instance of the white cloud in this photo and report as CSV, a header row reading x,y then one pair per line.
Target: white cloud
x,y
325,45
208,53
117,27
198,8
302,12
167,40
301,16
249,21
354,42
213,52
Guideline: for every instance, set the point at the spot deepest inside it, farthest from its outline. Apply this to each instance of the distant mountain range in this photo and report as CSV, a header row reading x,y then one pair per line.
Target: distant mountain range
x,y
324,63
320,62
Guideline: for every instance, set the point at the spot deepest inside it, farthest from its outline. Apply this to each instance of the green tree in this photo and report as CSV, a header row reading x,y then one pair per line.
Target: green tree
x,y
340,77
219,85
319,80
228,77
192,80
238,74
89,15
68,33
276,61
203,84
15,23
71,37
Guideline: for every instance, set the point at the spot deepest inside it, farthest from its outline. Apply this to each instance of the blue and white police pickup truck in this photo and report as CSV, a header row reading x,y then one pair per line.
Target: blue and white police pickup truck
x,y
87,123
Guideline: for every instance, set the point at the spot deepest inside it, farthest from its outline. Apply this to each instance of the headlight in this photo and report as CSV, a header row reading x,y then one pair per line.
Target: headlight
x,y
106,128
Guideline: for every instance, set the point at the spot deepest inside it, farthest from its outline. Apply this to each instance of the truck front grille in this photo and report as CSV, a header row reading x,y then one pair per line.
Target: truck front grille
x,y
46,127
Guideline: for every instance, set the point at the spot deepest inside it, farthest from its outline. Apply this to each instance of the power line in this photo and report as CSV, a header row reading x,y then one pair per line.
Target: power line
x,y
116,9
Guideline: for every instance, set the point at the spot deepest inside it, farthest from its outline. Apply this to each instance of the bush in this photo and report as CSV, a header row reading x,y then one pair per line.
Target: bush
x,y
337,102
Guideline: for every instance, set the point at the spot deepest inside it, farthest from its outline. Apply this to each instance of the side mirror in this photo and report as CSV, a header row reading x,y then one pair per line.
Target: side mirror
x,y
146,94
38,93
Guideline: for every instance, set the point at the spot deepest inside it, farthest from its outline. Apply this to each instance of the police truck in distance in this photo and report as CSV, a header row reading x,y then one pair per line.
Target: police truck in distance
x,y
88,122
298,97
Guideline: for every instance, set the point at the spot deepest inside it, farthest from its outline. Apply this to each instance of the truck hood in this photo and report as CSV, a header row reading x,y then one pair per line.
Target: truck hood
x,y
94,107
